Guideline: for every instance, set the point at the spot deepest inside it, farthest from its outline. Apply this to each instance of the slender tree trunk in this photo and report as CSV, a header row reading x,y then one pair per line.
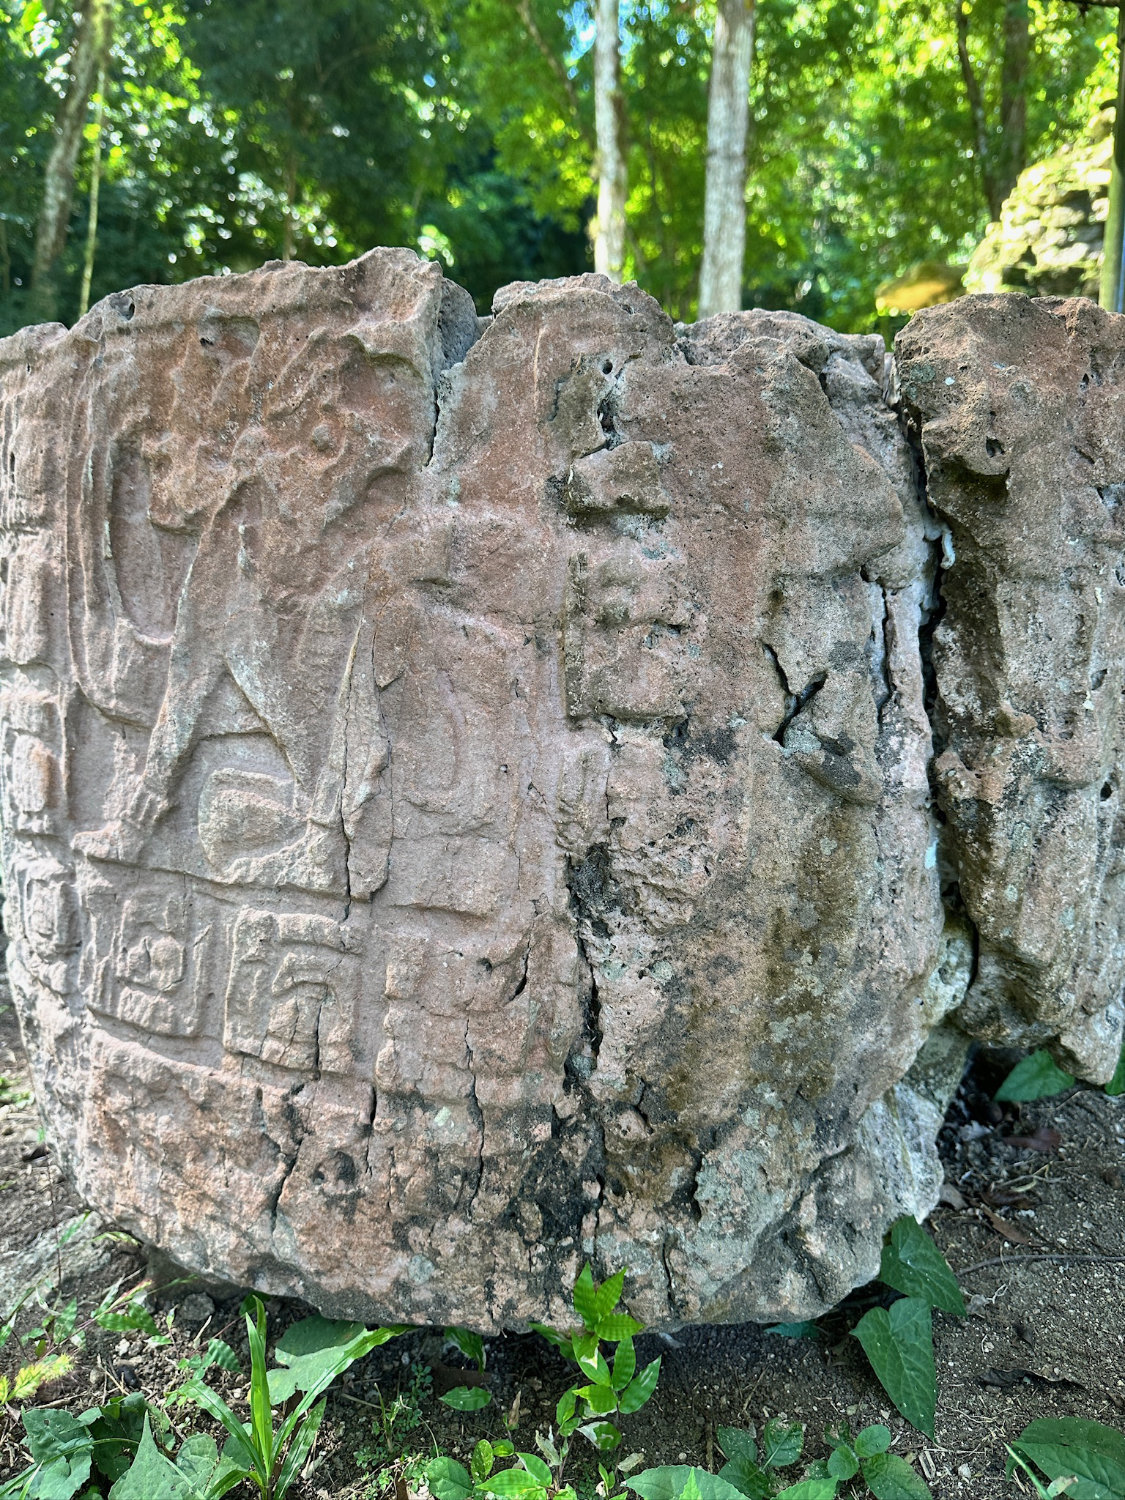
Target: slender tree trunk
x,y
92,42
728,117
289,228
609,229
1012,148
993,196
95,188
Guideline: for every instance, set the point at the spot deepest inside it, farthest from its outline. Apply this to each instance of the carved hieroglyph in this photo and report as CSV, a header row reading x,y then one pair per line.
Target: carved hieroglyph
x,y
469,801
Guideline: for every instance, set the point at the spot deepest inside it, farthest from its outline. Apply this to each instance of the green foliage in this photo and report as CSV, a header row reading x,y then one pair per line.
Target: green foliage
x,y
610,1386
394,1431
898,1341
805,1330
270,1457
1036,1077
1061,1448
1116,1084
913,1264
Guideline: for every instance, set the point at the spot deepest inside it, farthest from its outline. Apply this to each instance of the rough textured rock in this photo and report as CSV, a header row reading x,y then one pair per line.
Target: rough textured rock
x,y
1048,239
1021,403
467,790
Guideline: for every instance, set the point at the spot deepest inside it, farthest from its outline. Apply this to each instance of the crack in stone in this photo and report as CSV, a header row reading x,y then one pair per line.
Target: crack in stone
x,y
794,702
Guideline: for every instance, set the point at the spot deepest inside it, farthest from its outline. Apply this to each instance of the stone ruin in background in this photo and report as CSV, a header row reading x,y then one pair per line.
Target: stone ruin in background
x,y
478,795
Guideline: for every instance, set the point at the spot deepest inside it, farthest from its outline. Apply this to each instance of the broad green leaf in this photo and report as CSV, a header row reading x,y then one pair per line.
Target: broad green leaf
x,y
604,1435
535,1467
480,1465
115,1431
781,1444
152,1474
899,1343
198,1459
595,1367
504,1448
1036,1077
305,1351
566,1404
512,1482
1116,1084
872,1440
62,1447
584,1349
889,1477
639,1389
467,1397
668,1482
737,1444
747,1478
608,1296
1071,1445
843,1463
913,1264
586,1297
804,1330
600,1399
448,1480
624,1364
616,1326
810,1489
470,1344
553,1336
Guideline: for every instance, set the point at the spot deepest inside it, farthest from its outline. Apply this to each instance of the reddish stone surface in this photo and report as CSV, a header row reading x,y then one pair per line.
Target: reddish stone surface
x,y
467,789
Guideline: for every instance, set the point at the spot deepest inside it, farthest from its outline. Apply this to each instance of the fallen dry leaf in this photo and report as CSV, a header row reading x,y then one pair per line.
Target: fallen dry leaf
x,y
1010,1232
1045,1140
950,1196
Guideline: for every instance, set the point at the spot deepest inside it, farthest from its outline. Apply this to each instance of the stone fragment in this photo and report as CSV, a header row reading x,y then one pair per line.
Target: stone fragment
x,y
1020,406
466,789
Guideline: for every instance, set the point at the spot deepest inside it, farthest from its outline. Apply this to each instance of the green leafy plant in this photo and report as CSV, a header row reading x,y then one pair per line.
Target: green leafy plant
x,y
529,1477
753,1473
394,1447
1081,1459
608,1389
898,1340
750,1472
468,1397
310,1357
1036,1077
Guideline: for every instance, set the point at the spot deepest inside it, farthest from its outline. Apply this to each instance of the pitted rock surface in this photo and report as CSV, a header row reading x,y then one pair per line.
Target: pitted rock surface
x,y
469,797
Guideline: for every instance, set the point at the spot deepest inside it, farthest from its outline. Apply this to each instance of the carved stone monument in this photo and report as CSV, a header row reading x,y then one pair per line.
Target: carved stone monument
x,y
481,796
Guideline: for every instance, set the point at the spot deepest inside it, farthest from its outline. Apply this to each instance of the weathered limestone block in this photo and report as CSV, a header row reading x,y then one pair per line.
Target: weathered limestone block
x,y
467,790
1021,406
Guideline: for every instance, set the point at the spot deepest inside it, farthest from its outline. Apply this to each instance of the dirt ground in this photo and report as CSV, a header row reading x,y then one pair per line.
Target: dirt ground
x,y
1036,1232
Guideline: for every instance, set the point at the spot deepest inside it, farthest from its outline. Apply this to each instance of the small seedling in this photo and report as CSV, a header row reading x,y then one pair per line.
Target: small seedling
x,y
394,1446
608,1390
468,1397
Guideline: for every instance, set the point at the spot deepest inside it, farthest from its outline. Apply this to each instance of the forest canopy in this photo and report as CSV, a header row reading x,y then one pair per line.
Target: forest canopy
x,y
216,134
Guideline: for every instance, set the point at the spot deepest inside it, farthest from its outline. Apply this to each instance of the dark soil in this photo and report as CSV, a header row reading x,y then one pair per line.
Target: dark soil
x,y
1037,1236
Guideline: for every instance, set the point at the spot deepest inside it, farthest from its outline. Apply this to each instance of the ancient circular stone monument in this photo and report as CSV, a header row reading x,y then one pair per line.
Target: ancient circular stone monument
x,y
481,795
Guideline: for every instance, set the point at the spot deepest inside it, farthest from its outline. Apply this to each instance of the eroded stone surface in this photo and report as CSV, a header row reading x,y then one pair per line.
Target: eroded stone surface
x,y
1020,404
467,794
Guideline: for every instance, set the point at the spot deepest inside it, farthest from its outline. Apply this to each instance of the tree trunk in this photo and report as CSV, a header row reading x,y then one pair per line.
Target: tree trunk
x,y
95,188
93,39
609,227
989,184
728,116
289,226
1012,148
